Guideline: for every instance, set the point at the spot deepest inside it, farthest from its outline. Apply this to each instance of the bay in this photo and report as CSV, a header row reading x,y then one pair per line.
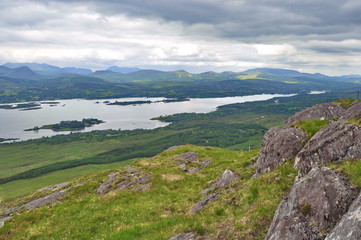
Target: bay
x,y
128,117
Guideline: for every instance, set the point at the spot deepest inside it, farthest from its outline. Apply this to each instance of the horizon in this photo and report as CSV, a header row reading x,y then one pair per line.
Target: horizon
x,y
197,36
145,69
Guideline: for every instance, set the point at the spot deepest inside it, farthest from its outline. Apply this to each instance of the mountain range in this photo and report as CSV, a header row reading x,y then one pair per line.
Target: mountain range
x,y
121,74
34,81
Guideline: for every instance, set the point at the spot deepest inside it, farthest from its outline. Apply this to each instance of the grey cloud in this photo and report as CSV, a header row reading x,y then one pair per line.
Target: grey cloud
x,y
246,19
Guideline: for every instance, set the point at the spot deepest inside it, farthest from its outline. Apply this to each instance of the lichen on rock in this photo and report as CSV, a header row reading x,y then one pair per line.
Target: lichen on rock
x,y
328,195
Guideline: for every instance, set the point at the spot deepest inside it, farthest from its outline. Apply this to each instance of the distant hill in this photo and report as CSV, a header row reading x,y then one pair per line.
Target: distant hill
x,y
18,73
49,70
123,69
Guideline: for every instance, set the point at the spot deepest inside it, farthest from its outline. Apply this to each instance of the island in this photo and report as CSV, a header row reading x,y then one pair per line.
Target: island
x,y
170,100
69,125
20,106
129,103
8,139
50,103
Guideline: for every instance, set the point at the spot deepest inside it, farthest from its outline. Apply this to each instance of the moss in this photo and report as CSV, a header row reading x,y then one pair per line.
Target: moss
x,y
305,209
310,127
345,103
355,121
352,168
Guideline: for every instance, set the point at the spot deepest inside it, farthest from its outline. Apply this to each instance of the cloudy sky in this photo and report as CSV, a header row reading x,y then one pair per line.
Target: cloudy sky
x,y
195,35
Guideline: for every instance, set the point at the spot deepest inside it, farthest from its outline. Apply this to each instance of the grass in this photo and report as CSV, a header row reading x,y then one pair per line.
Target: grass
x,y
345,103
355,121
163,211
311,127
26,186
352,168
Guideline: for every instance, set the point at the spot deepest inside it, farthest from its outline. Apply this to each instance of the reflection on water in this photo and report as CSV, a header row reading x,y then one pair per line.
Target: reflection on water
x,y
129,117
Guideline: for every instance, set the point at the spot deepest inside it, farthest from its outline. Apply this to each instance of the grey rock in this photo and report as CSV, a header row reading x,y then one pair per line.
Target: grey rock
x,y
336,142
205,163
129,183
193,170
354,110
105,187
49,199
350,225
187,157
312,207
204,202
317,112
184,236
278,146
226,179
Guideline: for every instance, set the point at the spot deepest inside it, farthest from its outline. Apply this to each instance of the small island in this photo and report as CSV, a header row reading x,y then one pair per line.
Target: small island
x,y
8,139
170,100
129,103
20,106
69,125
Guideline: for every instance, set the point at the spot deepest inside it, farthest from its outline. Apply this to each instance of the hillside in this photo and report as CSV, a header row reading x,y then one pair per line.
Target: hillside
x,y
34,82
303,184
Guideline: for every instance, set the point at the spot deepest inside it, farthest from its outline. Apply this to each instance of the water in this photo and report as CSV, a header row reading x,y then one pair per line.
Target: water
x,y
129,117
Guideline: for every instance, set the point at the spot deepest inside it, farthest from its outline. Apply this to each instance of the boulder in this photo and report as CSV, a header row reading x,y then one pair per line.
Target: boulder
x,y
317,112
336,142
350,225
313,206
278,146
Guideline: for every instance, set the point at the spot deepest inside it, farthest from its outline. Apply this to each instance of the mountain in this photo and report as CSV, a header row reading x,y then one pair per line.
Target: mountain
x,y
304,183
49,70
18,73
123,69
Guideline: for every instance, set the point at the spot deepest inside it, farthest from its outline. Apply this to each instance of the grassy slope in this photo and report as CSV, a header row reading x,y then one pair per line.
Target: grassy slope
x,y
163,211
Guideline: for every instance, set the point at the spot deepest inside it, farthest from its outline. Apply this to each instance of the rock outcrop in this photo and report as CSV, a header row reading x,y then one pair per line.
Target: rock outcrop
x,y
133,179
204,202
350,225
352,111
139,183
105,187
317,112
338,141
51,198
223,182
279,145
190,163
313,206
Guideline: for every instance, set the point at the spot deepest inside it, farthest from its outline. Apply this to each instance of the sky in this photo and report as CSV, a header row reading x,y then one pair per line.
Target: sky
x,y
195,35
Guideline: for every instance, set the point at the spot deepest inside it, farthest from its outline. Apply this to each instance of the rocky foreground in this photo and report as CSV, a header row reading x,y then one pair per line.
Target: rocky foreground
x,y
322,203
